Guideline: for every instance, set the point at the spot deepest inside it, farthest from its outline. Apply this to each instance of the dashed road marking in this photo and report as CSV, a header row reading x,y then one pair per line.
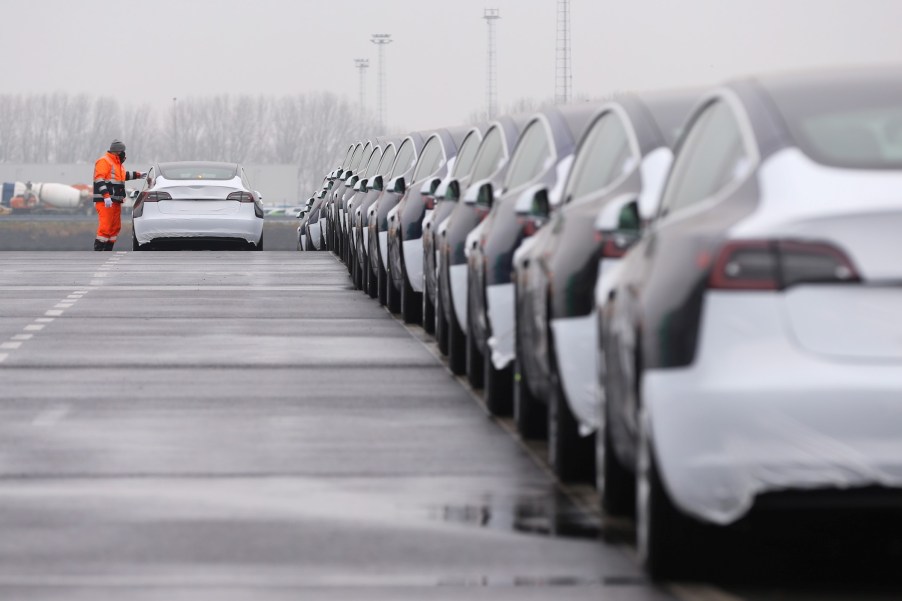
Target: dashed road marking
x,y
53,313
44,319
34,327
3,357
63,305
23,336
10,345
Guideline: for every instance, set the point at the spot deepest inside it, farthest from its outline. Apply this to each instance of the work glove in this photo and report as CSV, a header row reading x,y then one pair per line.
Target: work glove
x,y
107,201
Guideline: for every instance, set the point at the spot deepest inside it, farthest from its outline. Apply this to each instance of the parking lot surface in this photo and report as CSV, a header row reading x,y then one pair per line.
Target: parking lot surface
x,y
225,425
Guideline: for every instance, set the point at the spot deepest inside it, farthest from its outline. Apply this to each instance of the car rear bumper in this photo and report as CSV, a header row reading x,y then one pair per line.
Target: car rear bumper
x,y
150,227
756,414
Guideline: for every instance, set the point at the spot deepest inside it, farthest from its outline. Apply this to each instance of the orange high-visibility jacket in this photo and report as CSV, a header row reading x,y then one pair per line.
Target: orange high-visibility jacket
x,y
110,178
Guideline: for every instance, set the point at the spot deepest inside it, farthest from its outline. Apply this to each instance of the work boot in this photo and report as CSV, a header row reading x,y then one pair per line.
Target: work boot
x,y
109,246
99,245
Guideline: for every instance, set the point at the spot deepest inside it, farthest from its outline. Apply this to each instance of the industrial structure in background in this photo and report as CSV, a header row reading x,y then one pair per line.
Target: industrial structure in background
x,y
491,15
381,40
563,79
362,64
28,197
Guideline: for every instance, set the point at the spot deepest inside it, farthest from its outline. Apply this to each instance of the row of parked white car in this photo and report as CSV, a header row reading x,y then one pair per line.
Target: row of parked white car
x,y
696,296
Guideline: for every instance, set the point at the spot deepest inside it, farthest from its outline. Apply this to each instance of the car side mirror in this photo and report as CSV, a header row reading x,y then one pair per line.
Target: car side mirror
x,y
534,201
621,215
259,196
400,186
377,183
358,186
133,194
352,182
302,214
453,191
486,195
430,186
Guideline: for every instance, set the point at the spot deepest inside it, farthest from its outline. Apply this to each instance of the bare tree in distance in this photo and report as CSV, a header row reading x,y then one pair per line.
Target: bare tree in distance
x,y
307,130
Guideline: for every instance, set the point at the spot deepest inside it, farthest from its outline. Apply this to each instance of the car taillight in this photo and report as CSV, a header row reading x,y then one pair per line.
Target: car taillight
x,y
778,264
429,201
241,197
481,211
157,196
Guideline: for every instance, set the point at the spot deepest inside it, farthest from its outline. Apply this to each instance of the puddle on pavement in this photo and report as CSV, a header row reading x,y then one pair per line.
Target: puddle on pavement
x,y
551,514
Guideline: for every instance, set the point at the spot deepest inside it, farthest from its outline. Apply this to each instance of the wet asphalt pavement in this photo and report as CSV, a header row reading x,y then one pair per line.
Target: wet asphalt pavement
x,y
226,425
242,425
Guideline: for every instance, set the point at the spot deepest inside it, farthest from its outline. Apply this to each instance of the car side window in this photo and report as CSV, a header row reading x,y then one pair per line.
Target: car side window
x,y
603,158
491,151
530,157
407,155
430,159
712,157
148,179
245,180
466,155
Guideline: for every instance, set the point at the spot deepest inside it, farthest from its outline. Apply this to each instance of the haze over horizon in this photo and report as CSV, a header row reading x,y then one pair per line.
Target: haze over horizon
x,y
436,65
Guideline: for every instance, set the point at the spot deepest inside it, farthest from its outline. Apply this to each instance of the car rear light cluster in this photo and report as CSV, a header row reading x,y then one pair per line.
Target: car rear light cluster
x,y
157,196
614,246
482,211
530,224
138,209
779,264
429,202
241,197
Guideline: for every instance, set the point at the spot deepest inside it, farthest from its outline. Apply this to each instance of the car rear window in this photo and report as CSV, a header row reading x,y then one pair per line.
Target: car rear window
x,y
850,124
186,171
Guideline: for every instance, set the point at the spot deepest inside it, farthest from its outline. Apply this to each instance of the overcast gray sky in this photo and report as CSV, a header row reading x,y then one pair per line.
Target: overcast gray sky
x,y
154,51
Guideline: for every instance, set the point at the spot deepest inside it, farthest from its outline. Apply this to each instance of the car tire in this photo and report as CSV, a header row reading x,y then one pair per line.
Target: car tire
x,y
259,244
135,245
392,297
382,285
428,313
457,347
411,303
670,544
441,324
530,415
615,484
497,388
572,456
372,285
475,361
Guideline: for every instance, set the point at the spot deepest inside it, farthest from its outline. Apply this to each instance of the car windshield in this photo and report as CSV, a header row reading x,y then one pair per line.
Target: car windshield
x,y
189,171
853,126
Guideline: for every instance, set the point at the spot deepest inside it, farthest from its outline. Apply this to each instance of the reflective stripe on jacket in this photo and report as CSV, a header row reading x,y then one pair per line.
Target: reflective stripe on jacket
x,y
110,178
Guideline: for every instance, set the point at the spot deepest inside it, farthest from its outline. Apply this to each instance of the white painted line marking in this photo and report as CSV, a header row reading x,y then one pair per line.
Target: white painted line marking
x,y
10,345
97,282
23,336
63,305
100,274
3,357
75,296
80,292
121,252
45,319
53,313
34,328
51,416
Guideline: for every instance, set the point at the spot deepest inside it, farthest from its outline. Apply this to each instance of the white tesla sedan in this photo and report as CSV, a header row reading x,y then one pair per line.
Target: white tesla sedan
x,y
197,201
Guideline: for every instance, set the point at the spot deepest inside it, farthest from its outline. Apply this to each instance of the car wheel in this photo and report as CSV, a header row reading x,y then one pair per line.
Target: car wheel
x,y
135,245
475,360
457,346
411,303
259,245
670,544
428,312
392,298
382,285
529,414
441,324
372,286
497,387
572,457
616,485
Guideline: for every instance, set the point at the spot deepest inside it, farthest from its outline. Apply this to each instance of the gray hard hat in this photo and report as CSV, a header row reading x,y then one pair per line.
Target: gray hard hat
x,y
117,146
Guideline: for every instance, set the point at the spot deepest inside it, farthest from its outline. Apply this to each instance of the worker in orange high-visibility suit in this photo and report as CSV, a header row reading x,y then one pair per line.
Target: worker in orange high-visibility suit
x,y
109,192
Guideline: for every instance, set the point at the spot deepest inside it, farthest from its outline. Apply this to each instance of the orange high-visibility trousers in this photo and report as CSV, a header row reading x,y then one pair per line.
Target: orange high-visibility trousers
x,y
109,221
